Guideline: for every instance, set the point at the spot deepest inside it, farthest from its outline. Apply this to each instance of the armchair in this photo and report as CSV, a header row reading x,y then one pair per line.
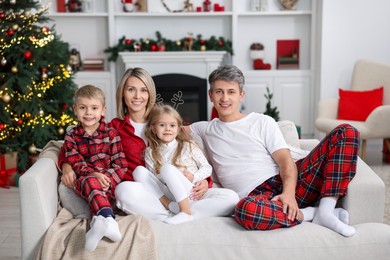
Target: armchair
x,y
366,75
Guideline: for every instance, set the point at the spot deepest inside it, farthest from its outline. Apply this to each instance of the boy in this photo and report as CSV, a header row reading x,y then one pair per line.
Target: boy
x,y
95,153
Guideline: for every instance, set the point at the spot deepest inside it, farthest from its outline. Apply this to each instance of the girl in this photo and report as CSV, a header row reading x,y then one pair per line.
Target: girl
x,y
173,163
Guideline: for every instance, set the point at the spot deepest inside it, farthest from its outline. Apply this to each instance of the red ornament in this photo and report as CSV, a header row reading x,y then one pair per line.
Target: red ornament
x,y
27,55
220,43
64,106
20,122
128,41
10,32
161,47
153,47
45,30
1,127
2,15
201,41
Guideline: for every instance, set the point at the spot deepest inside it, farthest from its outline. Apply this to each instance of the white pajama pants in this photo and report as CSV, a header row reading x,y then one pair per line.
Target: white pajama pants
x,y
142,197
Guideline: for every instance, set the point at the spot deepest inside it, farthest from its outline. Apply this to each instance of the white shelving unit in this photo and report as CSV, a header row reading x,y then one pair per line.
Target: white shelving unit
x,y
293,90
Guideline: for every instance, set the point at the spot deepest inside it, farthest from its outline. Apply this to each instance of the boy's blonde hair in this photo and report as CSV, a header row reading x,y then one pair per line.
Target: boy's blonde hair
x,y
154,142
90,92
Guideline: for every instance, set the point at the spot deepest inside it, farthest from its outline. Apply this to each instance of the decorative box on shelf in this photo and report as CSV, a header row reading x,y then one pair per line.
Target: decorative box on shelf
x,y
93,64
8,169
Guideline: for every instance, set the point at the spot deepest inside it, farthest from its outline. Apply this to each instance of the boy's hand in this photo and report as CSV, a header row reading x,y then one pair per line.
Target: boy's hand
x,y
68,179
103,179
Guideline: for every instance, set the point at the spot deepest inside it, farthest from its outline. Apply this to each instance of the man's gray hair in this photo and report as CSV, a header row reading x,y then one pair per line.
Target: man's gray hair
x,y
227,73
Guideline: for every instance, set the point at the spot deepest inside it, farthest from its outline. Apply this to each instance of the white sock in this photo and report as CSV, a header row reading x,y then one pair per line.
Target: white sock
x,y
342,214
113,231
179,218
174,207
325,217
310,212
101,227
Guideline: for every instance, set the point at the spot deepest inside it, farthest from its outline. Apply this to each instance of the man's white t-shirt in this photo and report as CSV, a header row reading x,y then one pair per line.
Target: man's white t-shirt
x,y
240,151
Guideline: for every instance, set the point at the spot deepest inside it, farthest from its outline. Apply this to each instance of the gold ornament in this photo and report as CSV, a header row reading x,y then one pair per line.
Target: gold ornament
x,y
44,76
6,98
14,69
15,27
32,149
60,131
203,47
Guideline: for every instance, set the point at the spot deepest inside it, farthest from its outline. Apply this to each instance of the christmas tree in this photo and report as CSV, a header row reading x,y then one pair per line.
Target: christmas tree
x,y
36,84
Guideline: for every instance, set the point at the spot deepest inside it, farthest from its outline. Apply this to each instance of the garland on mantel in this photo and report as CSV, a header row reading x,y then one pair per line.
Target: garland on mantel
x,y
186,4
163,44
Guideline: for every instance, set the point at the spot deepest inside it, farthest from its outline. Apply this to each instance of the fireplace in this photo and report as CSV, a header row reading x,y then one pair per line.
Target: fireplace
x,y
185,93
189,70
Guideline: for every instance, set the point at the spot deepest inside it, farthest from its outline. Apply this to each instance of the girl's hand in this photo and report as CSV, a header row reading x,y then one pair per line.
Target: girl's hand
x,y
188,175
199,189
103,180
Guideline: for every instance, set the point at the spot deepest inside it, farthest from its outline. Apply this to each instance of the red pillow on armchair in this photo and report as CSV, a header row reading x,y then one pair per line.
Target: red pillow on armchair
x,y
357,105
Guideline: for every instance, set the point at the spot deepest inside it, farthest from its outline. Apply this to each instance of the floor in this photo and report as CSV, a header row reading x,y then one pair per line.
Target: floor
x,y
10,247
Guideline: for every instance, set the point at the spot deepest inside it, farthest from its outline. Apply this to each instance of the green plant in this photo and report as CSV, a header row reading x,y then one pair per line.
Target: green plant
x,y
271,111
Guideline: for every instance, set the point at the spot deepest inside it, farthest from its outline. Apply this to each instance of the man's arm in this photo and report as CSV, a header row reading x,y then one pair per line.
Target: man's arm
x,y
289,174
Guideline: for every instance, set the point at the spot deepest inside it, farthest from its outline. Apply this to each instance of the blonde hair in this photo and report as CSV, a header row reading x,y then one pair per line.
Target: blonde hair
x,y
145,77
90,92
154,142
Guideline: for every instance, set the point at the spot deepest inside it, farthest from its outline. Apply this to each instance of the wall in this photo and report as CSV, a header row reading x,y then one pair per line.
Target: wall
x,y
351,29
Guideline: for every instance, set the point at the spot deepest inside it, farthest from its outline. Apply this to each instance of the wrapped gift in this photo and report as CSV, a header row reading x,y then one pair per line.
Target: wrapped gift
x,y
8,169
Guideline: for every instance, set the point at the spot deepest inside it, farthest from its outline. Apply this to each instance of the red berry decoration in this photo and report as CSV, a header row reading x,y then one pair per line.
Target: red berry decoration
x,y
128,41
27,55
45,30
153,47
10,32
220,43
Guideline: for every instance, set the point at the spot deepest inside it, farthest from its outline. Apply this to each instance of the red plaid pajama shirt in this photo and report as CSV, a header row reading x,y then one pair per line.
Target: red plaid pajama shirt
x,y
326,171
102,152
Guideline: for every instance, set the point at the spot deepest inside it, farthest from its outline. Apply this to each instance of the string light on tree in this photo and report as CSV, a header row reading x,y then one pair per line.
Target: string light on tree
x,y
34,66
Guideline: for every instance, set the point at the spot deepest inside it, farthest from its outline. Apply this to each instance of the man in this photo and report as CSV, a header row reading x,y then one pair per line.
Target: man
x,y
250,156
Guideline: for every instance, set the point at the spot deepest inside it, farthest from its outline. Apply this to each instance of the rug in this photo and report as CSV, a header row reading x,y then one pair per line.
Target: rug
x,y
383,171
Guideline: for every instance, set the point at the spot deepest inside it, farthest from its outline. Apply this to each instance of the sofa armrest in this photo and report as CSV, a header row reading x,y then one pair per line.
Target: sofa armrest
x,y
38,203
308,144
365,199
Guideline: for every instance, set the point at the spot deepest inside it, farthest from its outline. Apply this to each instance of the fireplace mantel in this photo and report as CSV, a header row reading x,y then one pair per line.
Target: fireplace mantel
x,y
195,63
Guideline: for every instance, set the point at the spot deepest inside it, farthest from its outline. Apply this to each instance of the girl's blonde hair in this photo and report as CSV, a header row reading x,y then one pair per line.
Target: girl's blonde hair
x,y
145,77
154,142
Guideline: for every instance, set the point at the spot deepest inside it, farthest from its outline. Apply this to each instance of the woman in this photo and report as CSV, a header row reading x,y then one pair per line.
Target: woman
x,y
135,97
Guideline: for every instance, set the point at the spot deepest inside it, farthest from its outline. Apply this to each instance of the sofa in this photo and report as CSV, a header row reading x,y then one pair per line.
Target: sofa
x,y
222,237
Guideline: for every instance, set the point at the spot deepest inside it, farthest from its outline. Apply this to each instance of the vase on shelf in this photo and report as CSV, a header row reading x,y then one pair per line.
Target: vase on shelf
x,y
288,5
